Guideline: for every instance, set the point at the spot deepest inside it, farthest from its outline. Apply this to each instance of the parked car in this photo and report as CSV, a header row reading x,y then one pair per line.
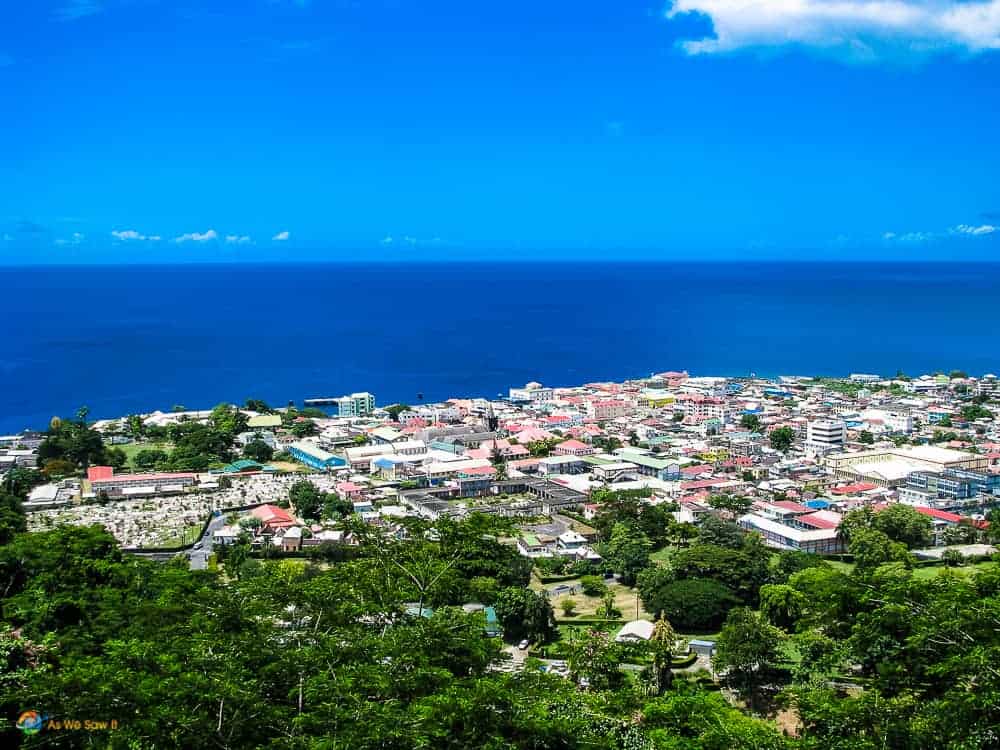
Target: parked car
x,y
524,644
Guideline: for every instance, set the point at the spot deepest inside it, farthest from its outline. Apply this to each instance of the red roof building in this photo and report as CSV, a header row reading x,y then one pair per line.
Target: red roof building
x,y
273,518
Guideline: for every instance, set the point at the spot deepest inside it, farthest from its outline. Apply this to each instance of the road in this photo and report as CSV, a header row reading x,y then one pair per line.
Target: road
x,y
199,556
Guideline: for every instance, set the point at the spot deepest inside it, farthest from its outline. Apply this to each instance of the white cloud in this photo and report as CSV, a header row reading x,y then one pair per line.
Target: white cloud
x,y
74,239
77,9
211,234
237,239
861,29
387,240
908,236
974,230
281,236
130,234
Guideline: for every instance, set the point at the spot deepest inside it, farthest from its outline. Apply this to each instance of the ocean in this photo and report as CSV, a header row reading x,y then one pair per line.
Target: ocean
x,y
123,339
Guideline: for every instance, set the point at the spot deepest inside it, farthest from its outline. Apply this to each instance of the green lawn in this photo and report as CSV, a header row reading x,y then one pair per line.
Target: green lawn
x,y
189,535
926,571
661,556
131,449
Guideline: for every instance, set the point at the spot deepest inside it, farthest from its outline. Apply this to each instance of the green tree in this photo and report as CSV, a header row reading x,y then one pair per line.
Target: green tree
x,y
525,614
871,548
20,481
73,441
149,458
747,650
900,523
595,657
228,420
306,499
593,586
12,520
696,605
866,437
782,438
259,451
257,405
717,531
782,605
750,422
737,505
743,571
395,410
116,457
627,552
304,428
662,644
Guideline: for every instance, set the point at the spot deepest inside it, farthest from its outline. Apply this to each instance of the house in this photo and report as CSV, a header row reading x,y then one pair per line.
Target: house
x,y
635,632
252,436
226,535
570,541
536,545
291,540
273,518
702,648
349,490
264,422
574,448
386,436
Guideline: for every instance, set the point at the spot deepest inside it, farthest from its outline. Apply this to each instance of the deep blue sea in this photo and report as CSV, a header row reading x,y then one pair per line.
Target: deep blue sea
x,y
122,339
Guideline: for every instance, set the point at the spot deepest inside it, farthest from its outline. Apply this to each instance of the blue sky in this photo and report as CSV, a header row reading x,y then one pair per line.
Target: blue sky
x,y
144,131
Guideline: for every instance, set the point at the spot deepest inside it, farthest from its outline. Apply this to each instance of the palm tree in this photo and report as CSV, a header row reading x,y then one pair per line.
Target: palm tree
x,y
663,642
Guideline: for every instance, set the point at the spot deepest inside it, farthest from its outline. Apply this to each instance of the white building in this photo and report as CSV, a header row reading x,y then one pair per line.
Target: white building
x,y
987,385
356,405
893,421
532,392
824,435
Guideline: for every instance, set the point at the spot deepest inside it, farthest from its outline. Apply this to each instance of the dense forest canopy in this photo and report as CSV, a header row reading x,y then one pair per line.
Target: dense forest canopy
x,y
373,650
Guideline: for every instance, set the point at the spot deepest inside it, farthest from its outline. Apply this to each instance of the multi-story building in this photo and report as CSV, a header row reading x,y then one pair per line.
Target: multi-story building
x,y
356,405
987,385
890,468
532,392
607,409
104,479
778,535
950,484
823,435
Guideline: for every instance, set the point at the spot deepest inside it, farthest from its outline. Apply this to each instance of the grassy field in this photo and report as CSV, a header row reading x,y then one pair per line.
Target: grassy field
x,y
927,571
291,467
189,535
131,449
587,606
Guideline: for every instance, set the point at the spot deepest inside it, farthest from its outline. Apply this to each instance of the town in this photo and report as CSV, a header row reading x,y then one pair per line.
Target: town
x,y
610,534
785,458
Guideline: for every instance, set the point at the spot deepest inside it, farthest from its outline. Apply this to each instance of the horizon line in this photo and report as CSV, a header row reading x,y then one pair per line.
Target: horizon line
x,y
502,261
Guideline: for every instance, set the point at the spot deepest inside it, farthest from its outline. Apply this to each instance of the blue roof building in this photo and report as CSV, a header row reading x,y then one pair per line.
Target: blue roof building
x,y
315,457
